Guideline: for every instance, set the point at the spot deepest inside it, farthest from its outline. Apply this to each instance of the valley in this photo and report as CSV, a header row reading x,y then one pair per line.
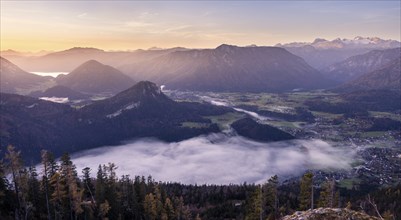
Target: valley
x,y
356,130
200,110
209,122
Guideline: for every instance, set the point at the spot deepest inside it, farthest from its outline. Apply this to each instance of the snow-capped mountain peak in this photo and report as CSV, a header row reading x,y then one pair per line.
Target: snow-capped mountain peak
x,y
357,42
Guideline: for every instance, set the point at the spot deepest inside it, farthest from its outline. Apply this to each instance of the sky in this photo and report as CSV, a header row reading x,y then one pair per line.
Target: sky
x,y
130,25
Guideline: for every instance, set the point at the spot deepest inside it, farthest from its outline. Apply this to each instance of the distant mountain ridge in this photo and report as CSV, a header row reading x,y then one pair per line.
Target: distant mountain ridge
x,y
67,60
15,80
338,43
61,92
322,53
94,77
356,66
229,68
387,77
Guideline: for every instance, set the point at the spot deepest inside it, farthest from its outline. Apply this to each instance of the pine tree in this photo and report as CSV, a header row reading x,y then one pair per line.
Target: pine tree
x,y
129,201
59,195
89,189
69,173
306,194
6,206
159,201
254,205
328,194
34,194
3,184
150,207
111,193
100,186
88,197
47,166
19,178
168,206
270,195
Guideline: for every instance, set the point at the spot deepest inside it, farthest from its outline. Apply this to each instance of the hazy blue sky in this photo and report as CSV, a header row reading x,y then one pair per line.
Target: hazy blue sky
x,y
55,25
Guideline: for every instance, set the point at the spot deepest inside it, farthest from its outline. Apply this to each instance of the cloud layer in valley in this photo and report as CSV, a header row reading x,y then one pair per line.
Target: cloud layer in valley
x,y
216,159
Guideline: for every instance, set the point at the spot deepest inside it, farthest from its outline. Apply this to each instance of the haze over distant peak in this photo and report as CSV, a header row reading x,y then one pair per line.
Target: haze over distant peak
x,y
81,50
11,53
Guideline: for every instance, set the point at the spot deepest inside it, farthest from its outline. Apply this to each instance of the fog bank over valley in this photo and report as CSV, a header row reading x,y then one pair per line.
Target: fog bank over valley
x,y
216,159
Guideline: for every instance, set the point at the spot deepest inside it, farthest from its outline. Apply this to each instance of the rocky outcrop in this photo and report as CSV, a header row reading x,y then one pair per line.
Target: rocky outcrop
x,y
329,213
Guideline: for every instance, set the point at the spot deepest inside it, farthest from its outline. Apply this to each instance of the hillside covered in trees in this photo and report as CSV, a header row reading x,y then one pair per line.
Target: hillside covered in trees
x,y
55,189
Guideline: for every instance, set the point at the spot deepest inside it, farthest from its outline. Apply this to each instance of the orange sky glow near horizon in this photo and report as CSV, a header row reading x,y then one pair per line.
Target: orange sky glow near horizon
x,y
130,25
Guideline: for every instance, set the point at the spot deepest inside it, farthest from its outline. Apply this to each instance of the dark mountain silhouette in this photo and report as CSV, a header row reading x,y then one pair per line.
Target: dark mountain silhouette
x,y
94,77
229,68
141,111
16,80
356,66
59,91
387,77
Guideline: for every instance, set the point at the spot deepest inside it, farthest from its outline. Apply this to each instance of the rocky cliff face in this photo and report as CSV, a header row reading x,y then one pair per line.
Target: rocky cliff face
x,y
329,213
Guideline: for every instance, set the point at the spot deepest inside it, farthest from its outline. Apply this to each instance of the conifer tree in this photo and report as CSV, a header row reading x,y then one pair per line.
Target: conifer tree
x,y
270,195
111,194
88,197
3,184
306,194
150,207
100,186
34,194
19,178
69,174
254,205
328,194
59,195
129,202
89,189
169,208
47,173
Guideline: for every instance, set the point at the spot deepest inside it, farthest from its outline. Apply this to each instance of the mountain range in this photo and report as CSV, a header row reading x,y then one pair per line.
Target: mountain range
x,y
387,77
319,54
338,43
16,80
229,68
61,92
356,66
226,68
93,77
68,60
141,111
322,53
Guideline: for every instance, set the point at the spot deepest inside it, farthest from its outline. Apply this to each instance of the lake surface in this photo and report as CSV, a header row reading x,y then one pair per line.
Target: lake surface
x,y
52,74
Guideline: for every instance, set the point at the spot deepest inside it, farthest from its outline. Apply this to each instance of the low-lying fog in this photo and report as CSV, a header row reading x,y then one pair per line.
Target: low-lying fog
x,y
52,74
216,159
